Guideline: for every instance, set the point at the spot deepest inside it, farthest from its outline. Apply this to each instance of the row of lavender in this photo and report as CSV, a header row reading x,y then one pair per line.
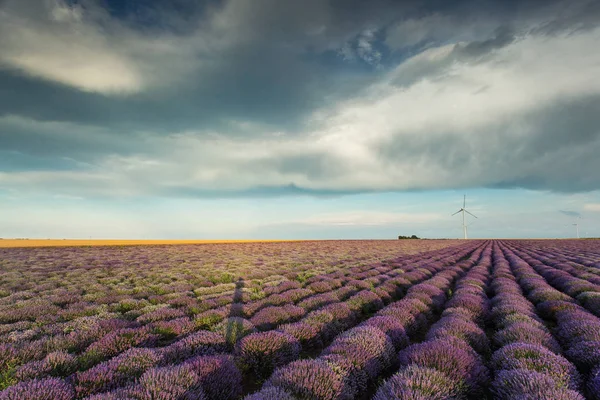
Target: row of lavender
x,y
168,336
506,316
358,357
545,343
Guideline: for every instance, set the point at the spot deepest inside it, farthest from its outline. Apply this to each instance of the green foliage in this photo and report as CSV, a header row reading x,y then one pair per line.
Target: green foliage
x,y
7,376
165,332
207,321
304,276
223,278
256,293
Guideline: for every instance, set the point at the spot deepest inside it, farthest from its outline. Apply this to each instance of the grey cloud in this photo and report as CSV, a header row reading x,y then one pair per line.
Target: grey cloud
x,y
503,36
274,65
570,213
557,153
265,62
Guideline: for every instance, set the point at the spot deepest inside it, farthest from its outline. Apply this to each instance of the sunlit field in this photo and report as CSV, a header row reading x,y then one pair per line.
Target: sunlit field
x,y
396,319
94,242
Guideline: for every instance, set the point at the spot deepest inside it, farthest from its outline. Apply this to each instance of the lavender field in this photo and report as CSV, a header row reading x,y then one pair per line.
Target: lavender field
x,y
324,320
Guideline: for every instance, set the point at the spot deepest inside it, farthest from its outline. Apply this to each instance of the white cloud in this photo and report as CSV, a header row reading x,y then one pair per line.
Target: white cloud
x,y
84,48
367,218
465,124
595,207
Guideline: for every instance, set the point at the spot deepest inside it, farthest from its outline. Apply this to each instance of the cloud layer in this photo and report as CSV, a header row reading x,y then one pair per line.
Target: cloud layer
x,y
228,99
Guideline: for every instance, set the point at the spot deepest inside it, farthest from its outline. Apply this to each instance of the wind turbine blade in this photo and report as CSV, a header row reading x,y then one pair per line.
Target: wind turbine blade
x,y
470,213
456,213
465,201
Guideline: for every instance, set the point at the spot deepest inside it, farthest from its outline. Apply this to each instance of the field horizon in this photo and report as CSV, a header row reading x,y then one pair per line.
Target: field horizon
x,y
257,320
8,243
15,243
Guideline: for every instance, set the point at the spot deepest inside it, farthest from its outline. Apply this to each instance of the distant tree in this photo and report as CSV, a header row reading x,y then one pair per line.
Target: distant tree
x,y
401,237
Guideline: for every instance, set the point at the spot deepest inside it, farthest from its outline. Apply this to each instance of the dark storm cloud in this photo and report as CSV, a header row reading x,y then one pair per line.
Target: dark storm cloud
x,y
557,153
269,69
275,75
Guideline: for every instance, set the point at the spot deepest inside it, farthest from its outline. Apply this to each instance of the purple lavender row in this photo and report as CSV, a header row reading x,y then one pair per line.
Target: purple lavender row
x,y
449,363
574,325
268,309
576,329
82,336
581,254
327,313
52,302
260,353
563,277
358,356
108,369
574,265
527,361
292,291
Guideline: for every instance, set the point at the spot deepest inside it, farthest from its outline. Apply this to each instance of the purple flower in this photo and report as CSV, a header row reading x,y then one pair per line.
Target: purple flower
x,y
39,389
585,355
458,362
260,353
311,379
282,287
526,384
160,315
319,300
547,294
525,333
594,384
320,287
419,383
115,372
573,331
58,363
270,393
365,302
270,317
537,358
475,303
508,320
549,309
118,394
308,335
367,347
515,307
356,379
392,328
174,327
113,344
463,329
218,375
168,383
343,316
591,301
198,343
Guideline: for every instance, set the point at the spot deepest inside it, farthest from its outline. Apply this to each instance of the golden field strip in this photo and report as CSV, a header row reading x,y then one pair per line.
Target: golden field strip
x,y
116,242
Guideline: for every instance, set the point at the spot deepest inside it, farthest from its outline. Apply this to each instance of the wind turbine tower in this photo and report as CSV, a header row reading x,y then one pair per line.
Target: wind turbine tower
x,y
576,225
463,210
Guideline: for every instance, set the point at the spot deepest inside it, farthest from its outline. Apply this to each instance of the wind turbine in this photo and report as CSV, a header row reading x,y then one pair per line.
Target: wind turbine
x,y
463,210
576,225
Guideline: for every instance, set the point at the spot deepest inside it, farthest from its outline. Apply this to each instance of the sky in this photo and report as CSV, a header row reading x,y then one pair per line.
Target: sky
x,y
349,119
